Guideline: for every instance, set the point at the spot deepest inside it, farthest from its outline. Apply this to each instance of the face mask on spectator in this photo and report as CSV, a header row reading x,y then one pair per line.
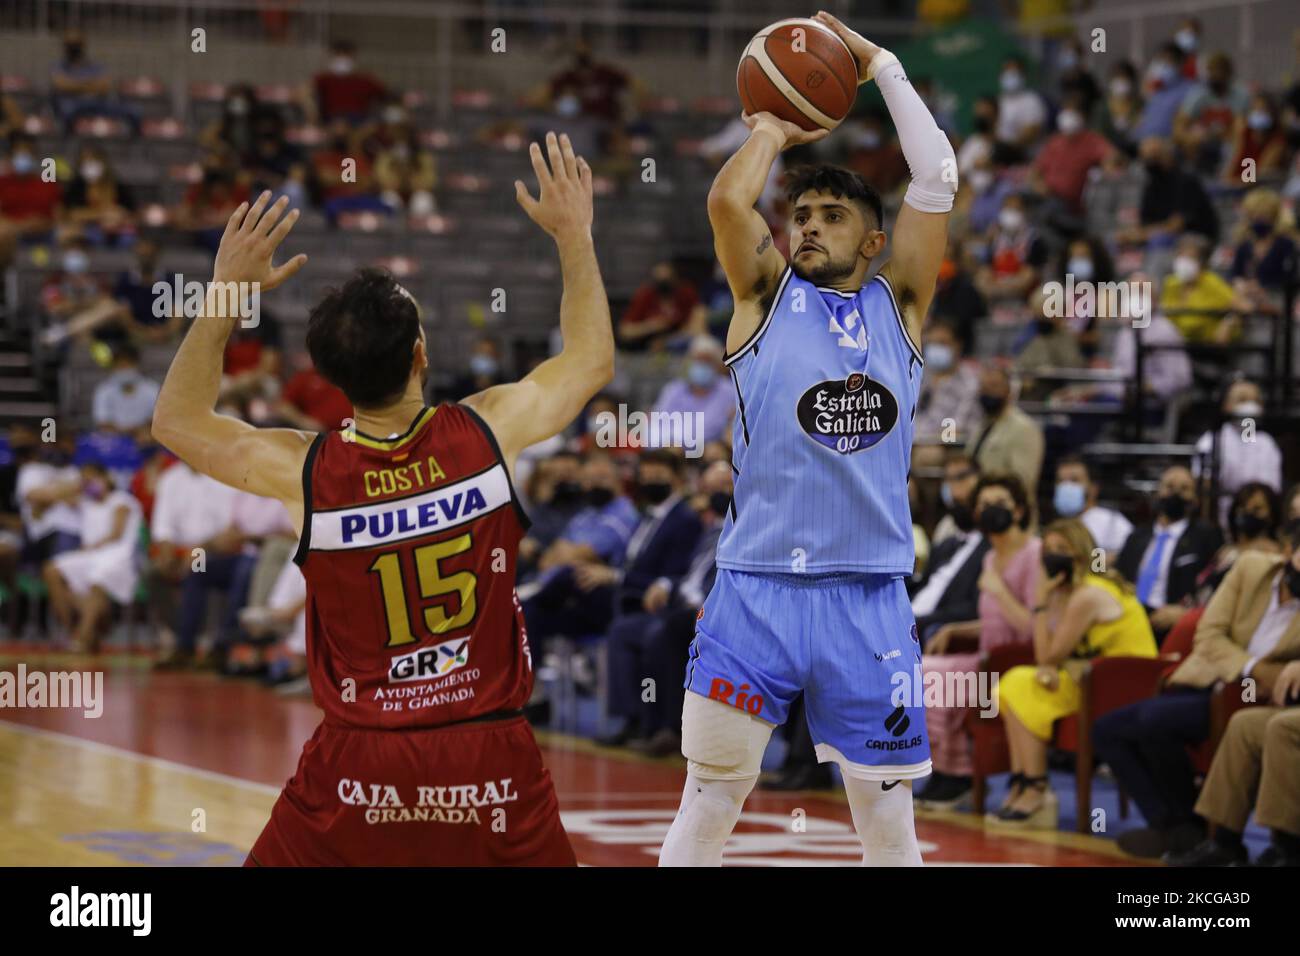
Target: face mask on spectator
x,y
1120,87
995,519
237,107
1246,410
701,374
91,170
1011,81
568,105
565,493
1161,72
1080,268
22,163
1186,268
1069,122
1186,40
599,497
72,52
1173,507
341,65
654,492
1262,228
939,356
981,180
983,124
1044,326
1011,219
992,404
94,489
1057,564
962,516
719,503
483,365
393,115
1069,499
1259,120
1069,59
1247,525
75,261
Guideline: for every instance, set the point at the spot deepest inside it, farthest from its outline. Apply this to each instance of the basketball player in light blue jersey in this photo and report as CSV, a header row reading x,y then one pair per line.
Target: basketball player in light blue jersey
x,y
810,590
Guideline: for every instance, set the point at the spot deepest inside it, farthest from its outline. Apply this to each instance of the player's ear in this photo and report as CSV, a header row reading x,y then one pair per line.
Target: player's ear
x,y
874,243
419,355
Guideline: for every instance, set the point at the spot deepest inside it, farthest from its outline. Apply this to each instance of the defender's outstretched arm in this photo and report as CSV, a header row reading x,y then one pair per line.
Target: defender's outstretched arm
x,y
551,396
264,461
921,229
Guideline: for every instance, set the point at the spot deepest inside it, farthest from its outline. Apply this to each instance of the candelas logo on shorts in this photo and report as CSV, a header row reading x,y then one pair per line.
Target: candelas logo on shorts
x,y
723,689
430,662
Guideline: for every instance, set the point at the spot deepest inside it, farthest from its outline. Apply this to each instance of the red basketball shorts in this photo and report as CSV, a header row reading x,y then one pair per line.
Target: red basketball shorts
x,y
473,794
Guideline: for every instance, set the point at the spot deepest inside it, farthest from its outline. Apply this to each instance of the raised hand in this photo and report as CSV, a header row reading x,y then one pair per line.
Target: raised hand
x,y
247,246
862,49
791,134
565,202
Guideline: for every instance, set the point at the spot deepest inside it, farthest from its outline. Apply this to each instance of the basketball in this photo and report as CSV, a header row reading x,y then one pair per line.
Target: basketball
x,y
798,70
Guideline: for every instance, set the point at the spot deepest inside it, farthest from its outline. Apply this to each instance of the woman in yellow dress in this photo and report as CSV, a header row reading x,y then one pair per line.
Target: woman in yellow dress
x,y
1080,613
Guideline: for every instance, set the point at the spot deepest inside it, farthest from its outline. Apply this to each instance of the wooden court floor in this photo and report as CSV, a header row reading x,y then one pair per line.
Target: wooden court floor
x,y
182,770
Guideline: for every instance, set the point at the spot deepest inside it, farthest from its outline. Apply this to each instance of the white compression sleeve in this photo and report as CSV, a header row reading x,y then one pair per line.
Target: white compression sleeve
x,y
884,821
929,155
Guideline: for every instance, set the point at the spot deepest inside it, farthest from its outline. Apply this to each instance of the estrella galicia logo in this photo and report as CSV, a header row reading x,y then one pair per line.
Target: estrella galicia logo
x,y
848,416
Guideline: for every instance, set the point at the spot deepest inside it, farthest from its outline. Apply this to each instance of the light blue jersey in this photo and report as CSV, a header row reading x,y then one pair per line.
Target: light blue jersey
x,y
826,393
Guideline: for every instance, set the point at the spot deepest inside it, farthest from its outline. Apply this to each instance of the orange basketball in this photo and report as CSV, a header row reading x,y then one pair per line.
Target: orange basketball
x,y
798,70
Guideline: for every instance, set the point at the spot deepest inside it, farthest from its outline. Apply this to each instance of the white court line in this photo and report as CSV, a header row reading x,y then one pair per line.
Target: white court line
x,y
103,748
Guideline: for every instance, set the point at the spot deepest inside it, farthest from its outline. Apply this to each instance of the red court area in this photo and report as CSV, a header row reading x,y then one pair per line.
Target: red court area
x,y
616,807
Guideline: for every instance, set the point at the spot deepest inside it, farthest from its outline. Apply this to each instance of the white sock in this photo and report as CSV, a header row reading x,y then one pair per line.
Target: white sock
x,y
883,819
709,811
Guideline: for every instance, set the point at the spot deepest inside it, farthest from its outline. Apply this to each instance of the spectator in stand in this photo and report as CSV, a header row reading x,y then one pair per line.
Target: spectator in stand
x,y
1173,201
309,402
722,145
46,488
1164,558
1254,517
73,289
1188,40
134,294
990,185
1076,497
343,176
873,152
979,145
96,203
250,374
947,409
554,494
1022,113
191,511
1078,614
949,592
1008,584
1166,90
1209,116
655,643
342,92
1258,143
1250,629
658,309
1123,108
1007,441
124,401
1255,768
1241,453
1017,255
1197,299
1266,260
1052,345
1073,79
85,584
11,117
1085,264
406,175
28,203
209,203
80,87
957,301
484,369
705,390
1067,159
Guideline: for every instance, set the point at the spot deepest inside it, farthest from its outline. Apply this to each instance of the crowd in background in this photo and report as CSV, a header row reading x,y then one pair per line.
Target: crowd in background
x,y
1019,543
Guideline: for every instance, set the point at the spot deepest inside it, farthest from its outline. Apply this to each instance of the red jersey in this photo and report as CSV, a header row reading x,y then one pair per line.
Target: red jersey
x,y
409,547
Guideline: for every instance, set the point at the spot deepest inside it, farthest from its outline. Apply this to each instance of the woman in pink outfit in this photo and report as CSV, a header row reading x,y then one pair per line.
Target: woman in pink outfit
x,y
1007,588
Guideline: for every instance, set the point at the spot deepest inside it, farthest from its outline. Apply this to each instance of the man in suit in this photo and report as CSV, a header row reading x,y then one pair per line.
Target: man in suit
x,y
949,591
653,643
1163,559
1249,633
1007,440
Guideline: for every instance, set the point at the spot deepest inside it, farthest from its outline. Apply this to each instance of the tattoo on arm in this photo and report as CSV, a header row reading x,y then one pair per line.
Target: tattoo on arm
x,y
762,246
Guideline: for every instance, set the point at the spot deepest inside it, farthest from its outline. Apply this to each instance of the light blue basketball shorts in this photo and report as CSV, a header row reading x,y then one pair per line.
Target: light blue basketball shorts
x,y
848,641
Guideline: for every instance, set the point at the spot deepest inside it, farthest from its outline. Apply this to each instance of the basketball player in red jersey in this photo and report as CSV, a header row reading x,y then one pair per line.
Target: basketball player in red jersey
x,y
409,527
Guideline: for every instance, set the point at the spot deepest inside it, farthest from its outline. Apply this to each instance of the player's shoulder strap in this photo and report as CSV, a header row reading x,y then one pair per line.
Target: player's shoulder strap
x,y
770,310
524,521
308,467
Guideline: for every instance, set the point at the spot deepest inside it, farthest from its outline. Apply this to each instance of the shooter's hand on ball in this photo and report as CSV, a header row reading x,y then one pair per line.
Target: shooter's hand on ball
x,y
788,133
252,235
863,50
565,188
